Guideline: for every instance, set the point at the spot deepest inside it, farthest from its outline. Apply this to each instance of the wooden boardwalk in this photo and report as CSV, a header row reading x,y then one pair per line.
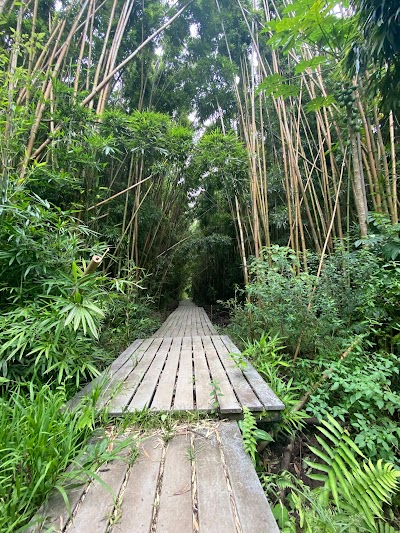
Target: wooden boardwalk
x,y
187,320
168,372
200,481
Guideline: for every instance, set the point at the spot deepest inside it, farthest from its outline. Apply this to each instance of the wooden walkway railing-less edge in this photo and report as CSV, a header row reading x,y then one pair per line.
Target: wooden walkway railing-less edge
x,y
201,480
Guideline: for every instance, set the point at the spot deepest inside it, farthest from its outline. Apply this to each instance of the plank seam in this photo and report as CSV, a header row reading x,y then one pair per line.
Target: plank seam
x,y
141,379
176,377
159,377
227,375
193,378
232,501
195,507
111,520
156,504
212,399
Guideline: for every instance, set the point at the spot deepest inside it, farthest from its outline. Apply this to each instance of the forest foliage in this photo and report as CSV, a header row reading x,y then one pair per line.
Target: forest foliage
x,y
245,152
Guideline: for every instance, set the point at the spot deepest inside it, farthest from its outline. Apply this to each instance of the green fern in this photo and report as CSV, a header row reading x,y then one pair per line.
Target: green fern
x,y
354,488
383,527
249,426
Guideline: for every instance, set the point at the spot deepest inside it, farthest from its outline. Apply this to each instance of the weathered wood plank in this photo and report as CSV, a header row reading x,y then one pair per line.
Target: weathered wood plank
x,y
95,510
213,498
175,512
252,506
117,377
163,397
186,321
183,400
145,391
227,400
202,378
125,355
53,515
105,376
264,393
129,386
139,495
241,386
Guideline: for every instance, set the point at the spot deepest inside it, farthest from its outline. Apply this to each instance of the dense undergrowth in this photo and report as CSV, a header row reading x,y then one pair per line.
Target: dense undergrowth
x,y
178,167
329,347
58,328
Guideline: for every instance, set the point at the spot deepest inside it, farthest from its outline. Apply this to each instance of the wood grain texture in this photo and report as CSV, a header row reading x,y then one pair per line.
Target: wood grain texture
x,y
169,486
252,506
224,391
264,393
184,384
202,377
162,400
213,497
121,400
175,513
140,491
145,391
240,384
97,507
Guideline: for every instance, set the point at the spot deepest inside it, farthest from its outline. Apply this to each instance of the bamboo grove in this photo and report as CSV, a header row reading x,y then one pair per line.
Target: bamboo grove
x,y
87,87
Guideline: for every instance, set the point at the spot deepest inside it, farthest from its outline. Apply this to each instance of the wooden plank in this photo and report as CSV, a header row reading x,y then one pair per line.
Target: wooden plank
x,y
227,400
183,400
202,378
116,378
145,391
265,394
207,324
241,386
267,397
120,401
213,498
104,376
125,355
175,512
140,492
53,515
186,321
252,506
163,397
95,510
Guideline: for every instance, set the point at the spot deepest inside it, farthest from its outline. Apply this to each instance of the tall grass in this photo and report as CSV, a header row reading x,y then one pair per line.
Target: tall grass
x,y
38,440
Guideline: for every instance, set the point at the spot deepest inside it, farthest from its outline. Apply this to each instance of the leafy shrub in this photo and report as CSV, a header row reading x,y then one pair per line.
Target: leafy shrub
x,y
364,392
51,311
356,293
278,298
129,317
265,356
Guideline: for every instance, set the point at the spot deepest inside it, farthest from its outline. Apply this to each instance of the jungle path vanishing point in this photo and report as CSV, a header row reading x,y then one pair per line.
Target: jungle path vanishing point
x,y
199,480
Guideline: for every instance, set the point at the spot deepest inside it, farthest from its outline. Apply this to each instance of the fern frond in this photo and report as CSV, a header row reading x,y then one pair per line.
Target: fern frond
x,y
371,486
383,527
248,427
354,488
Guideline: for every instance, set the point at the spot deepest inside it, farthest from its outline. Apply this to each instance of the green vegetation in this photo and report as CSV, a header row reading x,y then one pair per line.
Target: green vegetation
x,y
39,441
243,152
